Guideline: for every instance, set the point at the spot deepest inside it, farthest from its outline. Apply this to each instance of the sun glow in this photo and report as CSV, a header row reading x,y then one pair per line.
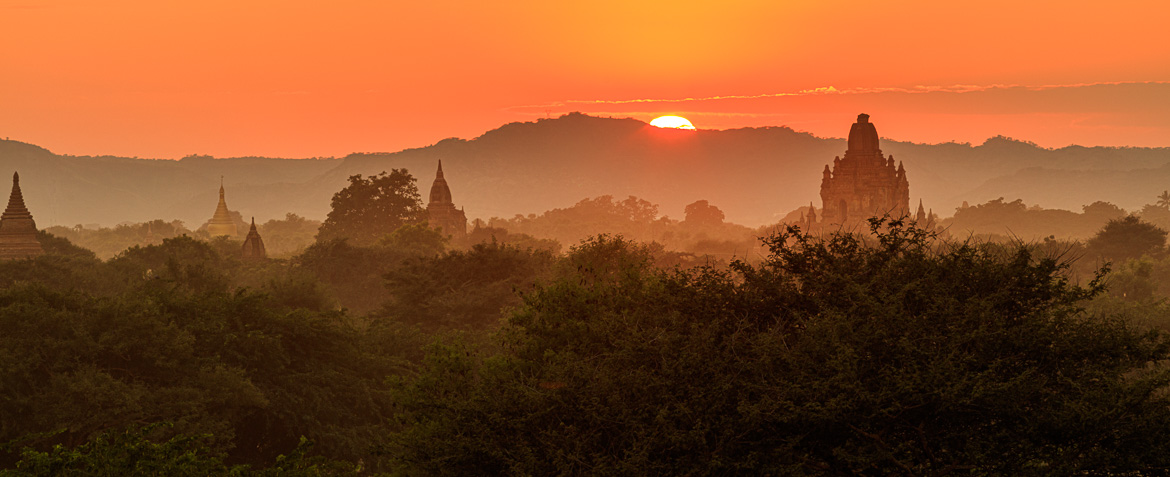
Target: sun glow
x,y
675,122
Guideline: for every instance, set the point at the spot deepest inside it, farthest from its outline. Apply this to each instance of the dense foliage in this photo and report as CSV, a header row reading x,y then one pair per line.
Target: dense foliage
x,y
109,241
164,334
282,237
1016,219
901,356
703,232
884,353
463,289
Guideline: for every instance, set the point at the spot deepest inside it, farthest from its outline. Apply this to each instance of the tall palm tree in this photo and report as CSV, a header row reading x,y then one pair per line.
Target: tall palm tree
x,y
1164,199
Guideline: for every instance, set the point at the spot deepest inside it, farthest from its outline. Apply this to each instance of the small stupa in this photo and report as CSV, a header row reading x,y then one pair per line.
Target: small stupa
x,y
221,223
254,245
18,232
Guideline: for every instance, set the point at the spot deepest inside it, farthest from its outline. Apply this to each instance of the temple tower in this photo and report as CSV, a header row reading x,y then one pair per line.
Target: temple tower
x,y
18,232
254,245
221,223
864,183
441,212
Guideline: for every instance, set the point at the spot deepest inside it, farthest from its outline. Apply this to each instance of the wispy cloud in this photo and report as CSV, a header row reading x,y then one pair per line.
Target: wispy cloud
x,y
570,104
1054,115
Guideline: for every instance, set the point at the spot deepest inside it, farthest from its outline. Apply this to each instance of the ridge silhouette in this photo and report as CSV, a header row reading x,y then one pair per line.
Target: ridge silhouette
x,y
755,175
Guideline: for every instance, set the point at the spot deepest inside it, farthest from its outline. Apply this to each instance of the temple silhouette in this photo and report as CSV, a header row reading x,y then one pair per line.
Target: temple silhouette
x,y
441,211
253,244
864,183
222,224
18,231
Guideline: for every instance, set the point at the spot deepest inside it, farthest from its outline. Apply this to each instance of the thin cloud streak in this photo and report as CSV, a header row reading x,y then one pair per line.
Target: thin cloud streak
x,y
830,90
1123,113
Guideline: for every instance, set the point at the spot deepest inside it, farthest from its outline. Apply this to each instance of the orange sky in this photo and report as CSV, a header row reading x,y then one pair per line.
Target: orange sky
x,y
299,79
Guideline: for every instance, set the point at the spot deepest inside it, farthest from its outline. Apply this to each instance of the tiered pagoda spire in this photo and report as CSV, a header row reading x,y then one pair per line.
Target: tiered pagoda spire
x,y
221,223
18,231
254,245
441,211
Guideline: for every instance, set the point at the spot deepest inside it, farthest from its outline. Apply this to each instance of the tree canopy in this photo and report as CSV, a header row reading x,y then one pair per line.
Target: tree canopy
x,y
889,352
703,213
894,354
371,207
1127,237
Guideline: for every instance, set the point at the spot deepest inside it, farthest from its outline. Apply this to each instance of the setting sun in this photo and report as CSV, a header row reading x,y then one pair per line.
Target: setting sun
x,y
675,122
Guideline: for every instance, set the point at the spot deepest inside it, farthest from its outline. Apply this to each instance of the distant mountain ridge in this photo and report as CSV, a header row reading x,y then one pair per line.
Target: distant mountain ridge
x,y
755,175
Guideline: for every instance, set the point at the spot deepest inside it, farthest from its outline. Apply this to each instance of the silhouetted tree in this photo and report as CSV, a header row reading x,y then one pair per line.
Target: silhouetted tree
x,y
372,207
702,213
1164,199
1127,238
1103,209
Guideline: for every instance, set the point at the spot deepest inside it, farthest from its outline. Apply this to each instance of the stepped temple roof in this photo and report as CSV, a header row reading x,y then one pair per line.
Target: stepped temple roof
x,y
440,192
441,211
254,245
864,183
18,231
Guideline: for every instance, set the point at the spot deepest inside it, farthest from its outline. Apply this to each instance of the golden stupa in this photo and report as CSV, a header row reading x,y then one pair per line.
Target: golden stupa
x,y
221,223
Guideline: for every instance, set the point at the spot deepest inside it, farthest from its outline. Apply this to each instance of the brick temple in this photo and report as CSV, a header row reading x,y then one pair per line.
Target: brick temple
x,y
864,183
18,231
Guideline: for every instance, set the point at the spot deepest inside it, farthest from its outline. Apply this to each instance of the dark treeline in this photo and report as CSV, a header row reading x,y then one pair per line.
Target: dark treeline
x,y
384,346
282,237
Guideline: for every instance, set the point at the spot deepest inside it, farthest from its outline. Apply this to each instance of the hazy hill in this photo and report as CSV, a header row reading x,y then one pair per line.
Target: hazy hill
x,y
69,190
755,175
